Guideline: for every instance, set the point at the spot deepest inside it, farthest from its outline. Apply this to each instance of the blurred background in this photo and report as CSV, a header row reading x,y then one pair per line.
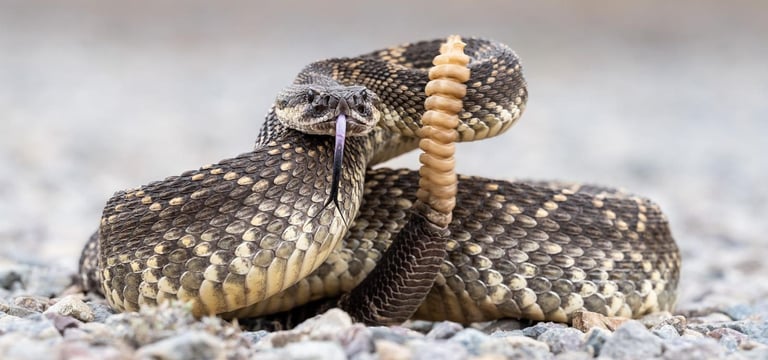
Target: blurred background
x,y
666,99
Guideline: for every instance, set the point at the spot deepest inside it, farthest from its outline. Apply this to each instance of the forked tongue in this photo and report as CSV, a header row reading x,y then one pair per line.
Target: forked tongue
x,y
338,157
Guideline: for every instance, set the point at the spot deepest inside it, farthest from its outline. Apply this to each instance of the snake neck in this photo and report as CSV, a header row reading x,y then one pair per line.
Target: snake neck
x,y
318,149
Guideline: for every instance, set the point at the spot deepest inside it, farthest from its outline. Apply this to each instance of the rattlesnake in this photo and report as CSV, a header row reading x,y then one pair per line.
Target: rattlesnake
x,y
254,235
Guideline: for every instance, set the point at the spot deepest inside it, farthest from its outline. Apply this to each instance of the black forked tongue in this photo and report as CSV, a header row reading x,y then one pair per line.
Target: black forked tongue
x,y
338,157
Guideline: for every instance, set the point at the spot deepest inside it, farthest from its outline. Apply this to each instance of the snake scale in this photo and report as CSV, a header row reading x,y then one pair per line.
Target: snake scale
x,y
255,234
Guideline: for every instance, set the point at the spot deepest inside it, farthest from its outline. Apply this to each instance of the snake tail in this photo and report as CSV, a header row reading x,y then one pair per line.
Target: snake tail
x,y
407,272
445,90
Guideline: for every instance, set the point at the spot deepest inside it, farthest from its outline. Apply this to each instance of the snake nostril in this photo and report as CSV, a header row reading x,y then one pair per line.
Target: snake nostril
x,y
362,109
318,108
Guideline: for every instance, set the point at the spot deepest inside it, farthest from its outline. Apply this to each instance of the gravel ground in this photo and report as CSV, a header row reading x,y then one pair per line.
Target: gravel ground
x,y
664,99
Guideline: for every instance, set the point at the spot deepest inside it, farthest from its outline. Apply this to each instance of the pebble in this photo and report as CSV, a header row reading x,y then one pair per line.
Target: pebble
x,y
521,347
524,342
728,338
754,329
666,332
631,341
595,339
389,350
36,304
444,330
586,320
713,317
34,327
85,350
358,339
470,339
20,346
739,311
693,348
61,322
447,350
19,311
190,345
505,325
536,330
254,337
101,311
326,326
505,333
573,355
395,334
419,325
71,305
314,350
9,279
563,339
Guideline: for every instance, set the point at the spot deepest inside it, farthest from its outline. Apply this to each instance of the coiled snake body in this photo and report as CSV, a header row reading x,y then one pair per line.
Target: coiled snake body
x,y
254,235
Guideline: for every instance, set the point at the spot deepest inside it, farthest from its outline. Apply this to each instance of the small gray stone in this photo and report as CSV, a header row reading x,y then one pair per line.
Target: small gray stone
x,y
443,350
97,331
22,347
356,340
30,326
504,325
254,337
536,330
36,304
100,311
19,311
519,342
655,319
85,350
666,332
190,345
314,350
506,333
573,355
388,350
327,326
419,325
394,334
470,339
61,322
517,347
71,305
692,348
444,330
739,312
563,339
595,339
713,317
631,341
9,278
756,330
728,338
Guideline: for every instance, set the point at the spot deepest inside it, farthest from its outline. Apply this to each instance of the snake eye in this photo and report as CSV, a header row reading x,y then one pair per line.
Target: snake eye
x,y
364,95
311,94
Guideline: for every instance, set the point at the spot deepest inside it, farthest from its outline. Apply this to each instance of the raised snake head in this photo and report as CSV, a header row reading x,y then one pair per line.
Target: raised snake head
x,y
315,109
329,110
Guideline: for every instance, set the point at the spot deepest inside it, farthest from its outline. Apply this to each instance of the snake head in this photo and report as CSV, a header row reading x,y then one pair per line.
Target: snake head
x,y
314,109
